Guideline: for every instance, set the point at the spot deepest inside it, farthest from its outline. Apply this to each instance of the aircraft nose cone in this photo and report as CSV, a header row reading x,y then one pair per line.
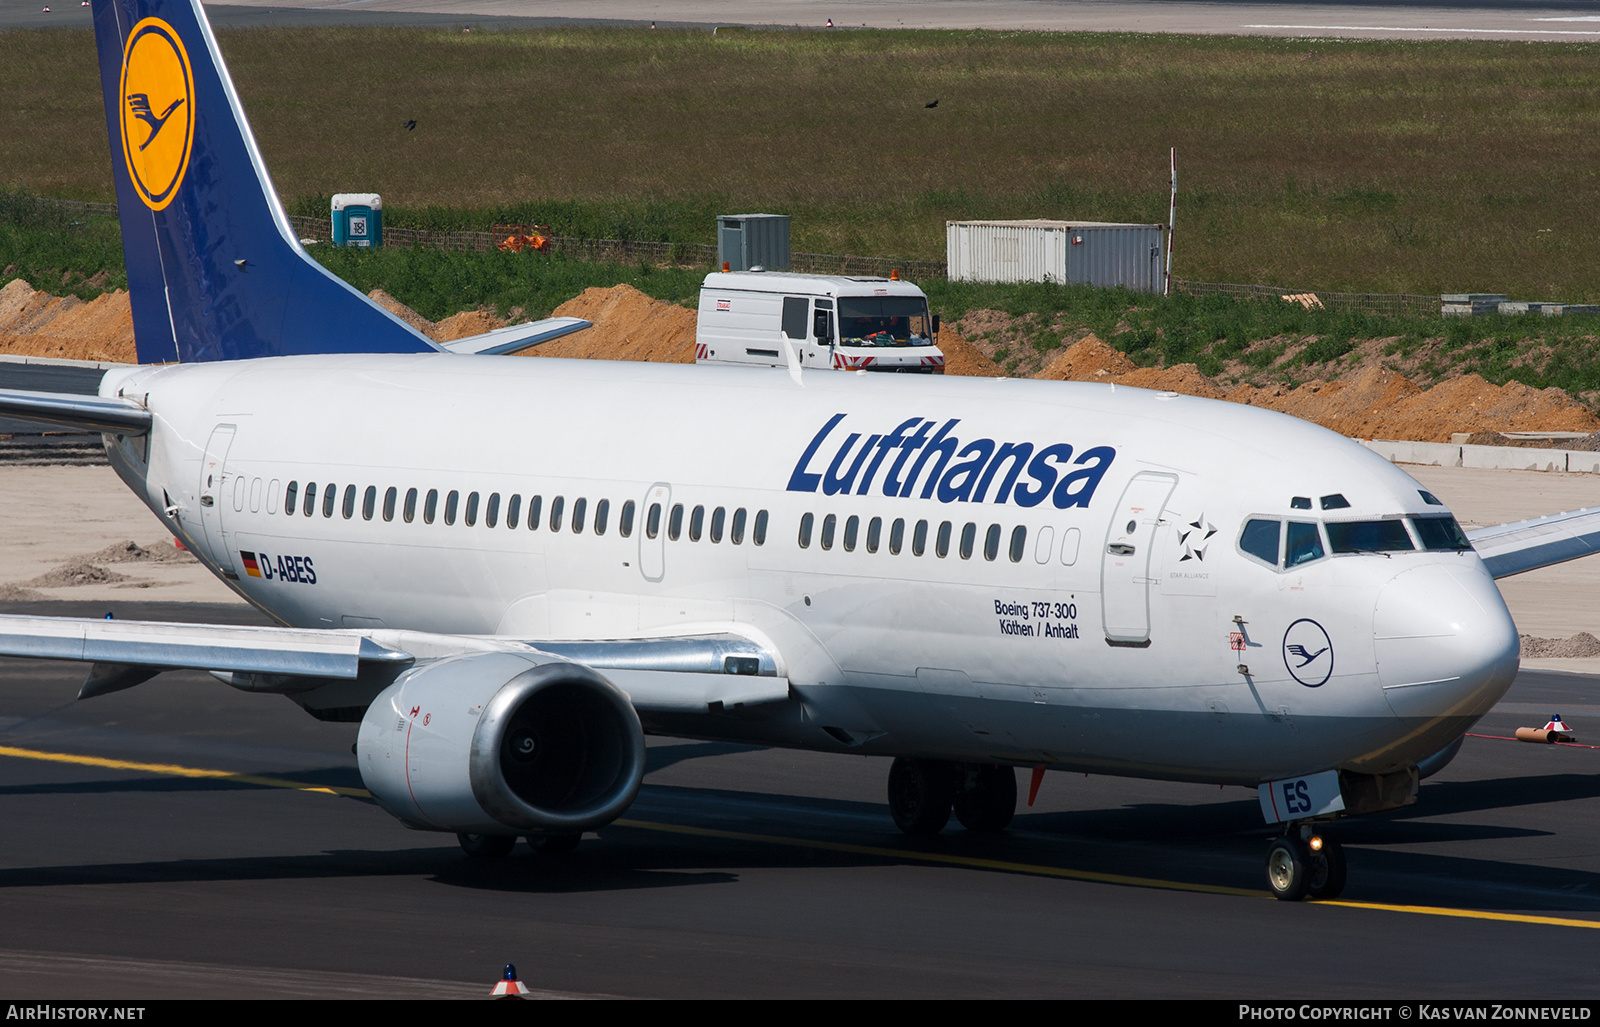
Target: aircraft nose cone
x,y
1446,645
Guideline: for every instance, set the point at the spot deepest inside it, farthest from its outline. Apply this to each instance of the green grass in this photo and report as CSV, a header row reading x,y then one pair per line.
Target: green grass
x,y
61,252
1385,166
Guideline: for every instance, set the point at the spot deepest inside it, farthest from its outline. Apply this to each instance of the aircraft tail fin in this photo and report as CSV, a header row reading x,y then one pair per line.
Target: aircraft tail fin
x,y
214,269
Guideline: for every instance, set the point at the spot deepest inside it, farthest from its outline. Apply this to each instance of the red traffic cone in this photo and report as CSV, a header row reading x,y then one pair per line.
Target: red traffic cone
x,y
508,986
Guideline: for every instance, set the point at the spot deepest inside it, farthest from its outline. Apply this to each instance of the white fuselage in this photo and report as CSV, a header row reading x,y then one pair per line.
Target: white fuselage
x,y
1132,635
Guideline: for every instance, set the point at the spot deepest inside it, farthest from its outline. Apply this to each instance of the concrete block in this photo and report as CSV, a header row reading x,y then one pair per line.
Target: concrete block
x,y
1438,454
1514,458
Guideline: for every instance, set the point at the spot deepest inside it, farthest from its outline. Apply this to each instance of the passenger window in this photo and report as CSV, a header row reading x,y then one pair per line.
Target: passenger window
x,y
719,518
806,521
240,484
919,539
738,526
349,501
941,545
1019,542
369,502
829,523
991,542
697,523
602,512
1260,540
389,499
874,534
330,496
472,509
1304,544
625,522
311,499
557,506
410,511
514,510
969,535
580,513
451,502
897,536
535,504
652,521
491,512
430,506
675,522
1440,533
272,497
1369,537
289,498
760,536
852,528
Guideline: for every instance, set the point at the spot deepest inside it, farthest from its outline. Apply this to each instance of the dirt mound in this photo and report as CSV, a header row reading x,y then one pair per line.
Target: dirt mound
x,y
963,358
16,593
132,552
403,312
1185,378
628,325
1578,646
71,574
34,323
468,322
1470,404
1089,359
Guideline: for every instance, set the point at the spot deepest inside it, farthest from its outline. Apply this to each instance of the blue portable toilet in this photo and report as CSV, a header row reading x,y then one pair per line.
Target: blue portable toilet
x,y
357,219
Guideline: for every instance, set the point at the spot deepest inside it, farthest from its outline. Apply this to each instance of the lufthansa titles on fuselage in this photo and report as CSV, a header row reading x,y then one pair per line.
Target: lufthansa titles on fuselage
x,y
976,471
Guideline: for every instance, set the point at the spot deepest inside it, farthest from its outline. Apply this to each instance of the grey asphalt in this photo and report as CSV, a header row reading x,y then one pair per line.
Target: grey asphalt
x,y
746,872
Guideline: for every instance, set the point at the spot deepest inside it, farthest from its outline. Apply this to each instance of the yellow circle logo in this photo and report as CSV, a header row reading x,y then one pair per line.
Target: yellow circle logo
x,y
157,111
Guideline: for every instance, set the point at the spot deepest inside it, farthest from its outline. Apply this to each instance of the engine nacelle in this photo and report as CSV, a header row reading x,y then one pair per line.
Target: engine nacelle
x,y
502,743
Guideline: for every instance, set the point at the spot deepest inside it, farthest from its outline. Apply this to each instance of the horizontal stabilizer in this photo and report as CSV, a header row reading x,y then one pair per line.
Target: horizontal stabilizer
x,y
69,410
1520,546
517,337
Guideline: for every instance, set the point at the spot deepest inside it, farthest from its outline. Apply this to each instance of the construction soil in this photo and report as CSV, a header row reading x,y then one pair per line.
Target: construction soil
x,y
1372,401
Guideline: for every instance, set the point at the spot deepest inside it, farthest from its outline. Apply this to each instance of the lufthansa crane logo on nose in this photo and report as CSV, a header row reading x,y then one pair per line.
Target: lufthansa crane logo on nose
x,y
157,111
1308,653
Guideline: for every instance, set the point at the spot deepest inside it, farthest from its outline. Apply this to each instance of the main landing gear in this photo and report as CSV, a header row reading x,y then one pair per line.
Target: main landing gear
x,y
1305,864
923,793
498,846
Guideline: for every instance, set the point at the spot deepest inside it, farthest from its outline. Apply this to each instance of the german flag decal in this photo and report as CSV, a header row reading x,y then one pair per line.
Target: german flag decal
x,y
250,566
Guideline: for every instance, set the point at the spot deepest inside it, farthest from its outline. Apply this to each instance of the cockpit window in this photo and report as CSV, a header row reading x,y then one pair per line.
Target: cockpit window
x,y
1300,503
1440,533
1260,540
1429,497
1369,536
1303,544
1335,502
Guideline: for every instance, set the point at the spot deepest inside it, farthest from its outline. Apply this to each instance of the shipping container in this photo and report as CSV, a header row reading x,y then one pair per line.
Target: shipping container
x,y
1076,252
746,241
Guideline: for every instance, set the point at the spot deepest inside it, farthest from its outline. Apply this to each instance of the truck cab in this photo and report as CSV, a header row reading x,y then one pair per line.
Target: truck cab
x,y
830,321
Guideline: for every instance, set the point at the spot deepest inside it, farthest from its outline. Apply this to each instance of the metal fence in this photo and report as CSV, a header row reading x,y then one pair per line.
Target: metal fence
x,y
1371,302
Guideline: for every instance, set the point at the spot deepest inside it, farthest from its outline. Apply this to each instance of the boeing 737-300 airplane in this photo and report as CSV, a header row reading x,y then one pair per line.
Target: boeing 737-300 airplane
x,y
507,571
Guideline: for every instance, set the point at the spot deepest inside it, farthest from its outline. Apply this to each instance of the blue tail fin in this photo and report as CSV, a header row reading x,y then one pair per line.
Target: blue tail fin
x,y
214,269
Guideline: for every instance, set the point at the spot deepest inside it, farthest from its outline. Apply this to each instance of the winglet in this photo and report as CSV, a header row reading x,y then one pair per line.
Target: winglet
x,y
214,269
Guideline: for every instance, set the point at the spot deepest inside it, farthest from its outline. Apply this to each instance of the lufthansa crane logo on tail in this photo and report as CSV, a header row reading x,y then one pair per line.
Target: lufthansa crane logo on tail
x,y
157,111
1308,653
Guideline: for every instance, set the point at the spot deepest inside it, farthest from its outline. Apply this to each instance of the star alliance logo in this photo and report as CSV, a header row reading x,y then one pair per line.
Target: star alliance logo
x,y
1194,538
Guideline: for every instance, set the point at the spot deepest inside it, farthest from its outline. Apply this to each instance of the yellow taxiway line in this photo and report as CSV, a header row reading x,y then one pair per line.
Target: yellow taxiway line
x,y
909,855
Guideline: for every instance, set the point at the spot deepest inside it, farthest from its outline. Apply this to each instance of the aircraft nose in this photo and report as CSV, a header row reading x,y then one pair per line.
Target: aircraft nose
x,y
1446,644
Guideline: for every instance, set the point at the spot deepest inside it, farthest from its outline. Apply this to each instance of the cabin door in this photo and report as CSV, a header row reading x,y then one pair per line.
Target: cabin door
x,y
216,491
1125,563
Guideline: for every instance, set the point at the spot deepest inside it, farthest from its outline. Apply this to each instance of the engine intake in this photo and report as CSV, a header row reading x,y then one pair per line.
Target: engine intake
x,y
500,743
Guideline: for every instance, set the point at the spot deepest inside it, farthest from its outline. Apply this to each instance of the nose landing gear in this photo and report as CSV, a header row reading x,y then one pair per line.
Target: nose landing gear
x,y
923,793
1304,864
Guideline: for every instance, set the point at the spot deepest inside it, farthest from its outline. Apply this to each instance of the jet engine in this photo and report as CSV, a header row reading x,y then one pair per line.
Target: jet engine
x,y
502,744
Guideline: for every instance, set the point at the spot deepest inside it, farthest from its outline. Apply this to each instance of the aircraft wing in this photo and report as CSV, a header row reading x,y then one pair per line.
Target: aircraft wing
x,y
1520,546
517,337
690,674
70,410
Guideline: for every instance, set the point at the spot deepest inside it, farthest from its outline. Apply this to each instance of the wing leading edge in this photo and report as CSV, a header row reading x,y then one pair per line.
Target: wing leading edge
x,y
1521,546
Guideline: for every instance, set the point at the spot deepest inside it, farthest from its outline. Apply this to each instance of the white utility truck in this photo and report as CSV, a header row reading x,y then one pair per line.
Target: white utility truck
x,y
852,324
